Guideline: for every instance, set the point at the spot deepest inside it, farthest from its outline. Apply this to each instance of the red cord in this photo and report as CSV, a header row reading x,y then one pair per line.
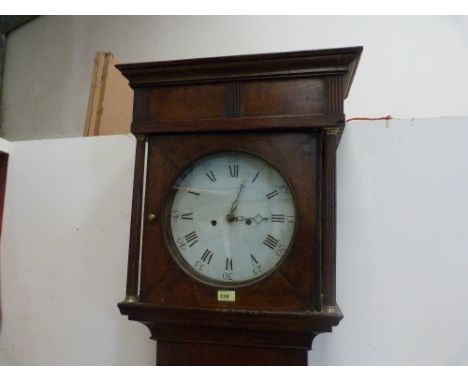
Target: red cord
x,y
369,119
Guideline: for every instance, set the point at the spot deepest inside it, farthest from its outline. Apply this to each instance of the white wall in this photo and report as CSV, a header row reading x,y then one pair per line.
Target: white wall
x,y
64,255
402,245
411,66
4,145
402,249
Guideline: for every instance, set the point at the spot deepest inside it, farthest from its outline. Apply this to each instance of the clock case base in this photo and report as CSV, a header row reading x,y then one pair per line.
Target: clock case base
x,y
268,93
206,337
200,354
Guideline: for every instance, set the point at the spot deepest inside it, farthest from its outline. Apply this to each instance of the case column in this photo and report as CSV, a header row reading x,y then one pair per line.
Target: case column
x,y
136,226
328,197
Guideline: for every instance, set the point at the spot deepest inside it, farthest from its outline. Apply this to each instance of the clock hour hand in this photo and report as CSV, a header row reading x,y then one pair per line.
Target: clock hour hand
x,y
257,219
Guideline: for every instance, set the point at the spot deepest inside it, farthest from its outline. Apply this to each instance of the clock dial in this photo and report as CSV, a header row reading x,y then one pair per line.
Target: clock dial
x,y
232,218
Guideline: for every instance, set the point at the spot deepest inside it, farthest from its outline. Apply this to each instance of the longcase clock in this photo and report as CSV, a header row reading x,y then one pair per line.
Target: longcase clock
x,y
232,242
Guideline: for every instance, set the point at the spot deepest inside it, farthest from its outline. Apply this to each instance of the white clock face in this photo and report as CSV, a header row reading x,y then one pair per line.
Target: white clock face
x,y
232,218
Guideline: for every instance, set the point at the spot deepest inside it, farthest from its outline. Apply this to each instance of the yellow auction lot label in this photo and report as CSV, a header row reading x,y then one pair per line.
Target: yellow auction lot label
x,y
227,295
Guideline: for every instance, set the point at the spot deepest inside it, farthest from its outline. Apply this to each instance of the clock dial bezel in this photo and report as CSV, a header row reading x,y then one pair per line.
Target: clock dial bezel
x,y
183,263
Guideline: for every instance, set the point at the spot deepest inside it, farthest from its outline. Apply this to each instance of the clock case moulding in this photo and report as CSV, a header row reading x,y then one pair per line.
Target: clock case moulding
x,y
289,102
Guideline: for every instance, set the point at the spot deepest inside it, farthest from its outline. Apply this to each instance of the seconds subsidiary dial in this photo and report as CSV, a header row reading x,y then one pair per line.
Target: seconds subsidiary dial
x,y
232,218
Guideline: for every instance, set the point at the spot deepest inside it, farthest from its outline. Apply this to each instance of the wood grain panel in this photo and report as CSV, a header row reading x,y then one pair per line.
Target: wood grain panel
x,y
301,96
179,103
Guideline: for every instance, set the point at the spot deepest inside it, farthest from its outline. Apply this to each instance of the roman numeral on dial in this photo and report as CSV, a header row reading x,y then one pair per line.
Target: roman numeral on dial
x,y
191,238
272,194
255,177
276,218
207,256
188,216
228,264
270,242
256,267
253,260
210,176
234,171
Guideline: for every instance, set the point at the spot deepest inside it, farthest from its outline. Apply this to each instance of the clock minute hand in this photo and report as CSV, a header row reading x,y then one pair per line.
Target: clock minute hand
x,y
230,216
235,203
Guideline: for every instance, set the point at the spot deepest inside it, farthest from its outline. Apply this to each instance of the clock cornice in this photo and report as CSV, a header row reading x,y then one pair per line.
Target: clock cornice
x,y
343,61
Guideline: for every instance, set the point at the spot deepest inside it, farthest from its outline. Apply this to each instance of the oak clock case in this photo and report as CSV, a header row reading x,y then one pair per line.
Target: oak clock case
x,y
232,244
